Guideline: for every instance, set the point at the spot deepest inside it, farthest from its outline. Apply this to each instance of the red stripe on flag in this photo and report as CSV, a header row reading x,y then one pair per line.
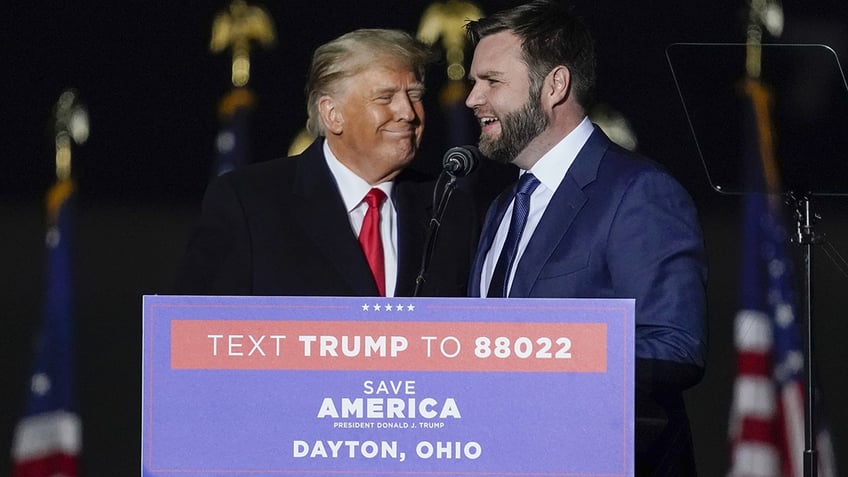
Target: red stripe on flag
x,y
757,430
749,363
47,466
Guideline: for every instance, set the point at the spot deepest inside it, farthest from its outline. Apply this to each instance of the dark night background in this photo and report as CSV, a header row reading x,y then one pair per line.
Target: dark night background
x,y
151,86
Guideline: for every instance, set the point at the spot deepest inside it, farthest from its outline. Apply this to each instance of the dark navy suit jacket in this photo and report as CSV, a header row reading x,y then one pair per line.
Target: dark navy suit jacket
x,y
619,226
281,228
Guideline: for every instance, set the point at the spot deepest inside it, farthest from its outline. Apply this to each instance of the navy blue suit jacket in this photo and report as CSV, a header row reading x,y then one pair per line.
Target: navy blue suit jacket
x,y
619,226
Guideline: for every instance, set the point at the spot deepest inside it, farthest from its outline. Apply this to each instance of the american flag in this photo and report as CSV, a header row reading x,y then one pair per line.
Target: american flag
x,y
48,438
767,416
232,144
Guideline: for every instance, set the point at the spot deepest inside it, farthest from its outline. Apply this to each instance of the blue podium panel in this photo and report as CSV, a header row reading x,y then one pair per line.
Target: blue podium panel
x,y
269,386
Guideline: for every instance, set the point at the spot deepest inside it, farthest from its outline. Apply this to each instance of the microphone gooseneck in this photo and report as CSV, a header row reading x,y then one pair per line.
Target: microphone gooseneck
x,y
457,162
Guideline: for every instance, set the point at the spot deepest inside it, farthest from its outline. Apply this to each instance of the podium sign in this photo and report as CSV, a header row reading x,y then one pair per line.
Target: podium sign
x,y
252,386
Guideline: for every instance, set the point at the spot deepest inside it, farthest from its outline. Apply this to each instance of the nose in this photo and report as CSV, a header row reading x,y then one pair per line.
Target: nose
x,y
475,96
406,109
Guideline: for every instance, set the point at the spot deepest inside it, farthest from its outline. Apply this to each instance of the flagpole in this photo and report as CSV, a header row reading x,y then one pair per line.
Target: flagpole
x,y
805,236
236,29
47,439
760,13
763,14
71,126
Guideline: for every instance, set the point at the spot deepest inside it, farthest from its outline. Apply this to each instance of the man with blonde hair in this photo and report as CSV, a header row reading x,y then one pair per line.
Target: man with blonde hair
x,y
346,217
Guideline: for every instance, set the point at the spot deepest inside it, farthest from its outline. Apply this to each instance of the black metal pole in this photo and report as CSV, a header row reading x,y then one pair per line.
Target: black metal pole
x,y
432,233
807,237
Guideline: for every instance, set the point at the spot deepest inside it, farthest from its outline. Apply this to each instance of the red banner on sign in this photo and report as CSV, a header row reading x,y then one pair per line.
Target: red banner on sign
x,y
385,346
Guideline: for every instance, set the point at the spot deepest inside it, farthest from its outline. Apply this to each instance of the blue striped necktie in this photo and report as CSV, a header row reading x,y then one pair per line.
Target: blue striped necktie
x,y
520,210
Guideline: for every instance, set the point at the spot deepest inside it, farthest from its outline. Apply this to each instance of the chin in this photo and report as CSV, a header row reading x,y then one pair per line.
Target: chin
x,y
406,152
487,146
394,161
493,152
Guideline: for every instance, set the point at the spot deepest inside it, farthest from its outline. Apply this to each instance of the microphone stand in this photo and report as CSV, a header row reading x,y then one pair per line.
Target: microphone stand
x,y
433,229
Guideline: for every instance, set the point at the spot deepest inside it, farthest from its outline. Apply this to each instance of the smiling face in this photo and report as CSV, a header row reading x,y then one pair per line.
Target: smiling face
x,y
502,98
375,121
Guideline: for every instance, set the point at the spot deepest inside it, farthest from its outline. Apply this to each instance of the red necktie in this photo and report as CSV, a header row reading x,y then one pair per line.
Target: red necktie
x,y
369,238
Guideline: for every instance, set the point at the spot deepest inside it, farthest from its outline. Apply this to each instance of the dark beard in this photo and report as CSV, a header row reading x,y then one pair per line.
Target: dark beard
x,y
518,128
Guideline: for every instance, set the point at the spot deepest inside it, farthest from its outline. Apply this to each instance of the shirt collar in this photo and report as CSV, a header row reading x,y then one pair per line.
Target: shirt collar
x,y
351,187
551,167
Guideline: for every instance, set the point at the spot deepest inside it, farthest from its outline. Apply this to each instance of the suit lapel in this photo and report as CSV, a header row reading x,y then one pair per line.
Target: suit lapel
x,y
556,221
320,212
490,227
413,214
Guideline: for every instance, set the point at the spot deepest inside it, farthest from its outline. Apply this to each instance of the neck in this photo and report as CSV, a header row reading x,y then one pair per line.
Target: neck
x,y
368,171
556,131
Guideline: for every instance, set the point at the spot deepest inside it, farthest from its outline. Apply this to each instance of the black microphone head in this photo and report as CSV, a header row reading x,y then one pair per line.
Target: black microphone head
x,y
460,161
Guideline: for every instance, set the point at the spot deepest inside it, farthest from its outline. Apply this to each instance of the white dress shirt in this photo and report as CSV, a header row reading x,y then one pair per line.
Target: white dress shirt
x,y
353,190
550,170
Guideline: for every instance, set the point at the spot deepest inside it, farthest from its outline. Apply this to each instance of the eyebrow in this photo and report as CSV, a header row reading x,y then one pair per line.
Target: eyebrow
x,y
486,75
417,86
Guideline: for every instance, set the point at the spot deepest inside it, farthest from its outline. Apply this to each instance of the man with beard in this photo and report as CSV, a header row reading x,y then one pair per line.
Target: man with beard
x,y
587,219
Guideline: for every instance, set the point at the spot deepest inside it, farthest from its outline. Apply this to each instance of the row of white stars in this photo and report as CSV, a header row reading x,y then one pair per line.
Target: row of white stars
x,y
387,307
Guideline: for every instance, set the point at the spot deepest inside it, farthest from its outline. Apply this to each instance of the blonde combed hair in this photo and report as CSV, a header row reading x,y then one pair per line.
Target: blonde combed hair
x,y
353,53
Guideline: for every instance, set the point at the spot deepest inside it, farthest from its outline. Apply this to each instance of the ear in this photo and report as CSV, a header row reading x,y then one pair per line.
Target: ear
x,y
330,114
557,86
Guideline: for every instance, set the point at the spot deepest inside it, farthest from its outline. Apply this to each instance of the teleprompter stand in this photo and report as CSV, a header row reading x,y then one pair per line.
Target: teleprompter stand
x,y
808,94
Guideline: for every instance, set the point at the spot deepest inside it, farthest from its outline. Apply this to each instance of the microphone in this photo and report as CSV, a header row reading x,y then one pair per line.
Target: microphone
x,y
460,161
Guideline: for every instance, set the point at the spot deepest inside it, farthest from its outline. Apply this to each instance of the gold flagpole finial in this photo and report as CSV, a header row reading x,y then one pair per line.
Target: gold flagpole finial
x,y
763,13
70,123
235,28
446,21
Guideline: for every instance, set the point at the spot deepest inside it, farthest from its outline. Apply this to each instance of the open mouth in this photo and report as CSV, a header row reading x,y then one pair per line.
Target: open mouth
x,y
487,123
